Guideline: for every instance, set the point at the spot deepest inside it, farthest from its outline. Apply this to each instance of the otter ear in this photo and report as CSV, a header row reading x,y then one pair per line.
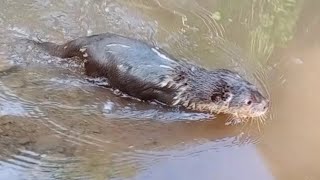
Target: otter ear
x,y
221,96
227,96
216,97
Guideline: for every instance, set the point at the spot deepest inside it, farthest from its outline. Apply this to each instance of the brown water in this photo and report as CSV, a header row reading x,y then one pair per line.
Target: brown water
x,y
54,124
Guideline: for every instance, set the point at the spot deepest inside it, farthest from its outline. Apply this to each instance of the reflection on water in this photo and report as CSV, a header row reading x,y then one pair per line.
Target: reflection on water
x,y
54,124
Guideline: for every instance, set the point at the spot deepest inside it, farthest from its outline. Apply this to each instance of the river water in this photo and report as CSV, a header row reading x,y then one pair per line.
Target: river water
x,y
54,124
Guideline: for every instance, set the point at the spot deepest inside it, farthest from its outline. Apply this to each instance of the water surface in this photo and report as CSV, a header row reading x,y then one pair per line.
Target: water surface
x,y
54,124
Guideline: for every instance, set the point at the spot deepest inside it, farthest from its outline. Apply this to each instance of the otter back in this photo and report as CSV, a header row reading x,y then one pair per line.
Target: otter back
x,y
132,66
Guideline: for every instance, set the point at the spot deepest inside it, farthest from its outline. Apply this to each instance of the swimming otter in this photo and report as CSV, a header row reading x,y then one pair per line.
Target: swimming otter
x,y
149,73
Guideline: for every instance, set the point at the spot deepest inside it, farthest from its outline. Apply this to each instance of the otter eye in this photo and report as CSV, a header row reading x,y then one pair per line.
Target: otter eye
x,y
249,102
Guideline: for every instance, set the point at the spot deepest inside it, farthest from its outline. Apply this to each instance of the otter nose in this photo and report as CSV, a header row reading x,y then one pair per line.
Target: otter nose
x,y
266,105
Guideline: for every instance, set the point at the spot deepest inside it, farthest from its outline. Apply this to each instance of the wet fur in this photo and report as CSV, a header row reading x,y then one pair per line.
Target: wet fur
x,y
149,73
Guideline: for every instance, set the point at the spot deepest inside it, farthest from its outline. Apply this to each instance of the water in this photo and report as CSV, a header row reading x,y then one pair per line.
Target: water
x,y
54,124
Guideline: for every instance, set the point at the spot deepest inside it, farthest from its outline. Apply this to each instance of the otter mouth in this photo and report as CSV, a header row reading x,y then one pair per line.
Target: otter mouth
x,y
235,112
249,114
259,114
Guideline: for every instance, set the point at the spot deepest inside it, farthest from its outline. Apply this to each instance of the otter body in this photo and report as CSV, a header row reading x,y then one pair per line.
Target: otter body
x,y
149,73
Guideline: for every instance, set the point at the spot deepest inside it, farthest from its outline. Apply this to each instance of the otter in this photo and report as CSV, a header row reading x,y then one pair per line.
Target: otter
x,y
149,73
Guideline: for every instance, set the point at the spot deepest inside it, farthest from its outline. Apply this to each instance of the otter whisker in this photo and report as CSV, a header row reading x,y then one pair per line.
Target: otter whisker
x,y
244,124
263,119
263,122
251,123
258,125
258,119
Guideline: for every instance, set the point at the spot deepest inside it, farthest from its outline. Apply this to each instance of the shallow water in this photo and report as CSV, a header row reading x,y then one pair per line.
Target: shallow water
x,y
54,124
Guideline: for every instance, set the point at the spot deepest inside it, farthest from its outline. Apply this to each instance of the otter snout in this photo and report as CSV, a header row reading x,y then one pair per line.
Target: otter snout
x,y
262,107
266,105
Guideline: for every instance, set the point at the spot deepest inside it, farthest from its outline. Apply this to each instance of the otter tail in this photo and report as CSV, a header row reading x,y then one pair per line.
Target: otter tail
x,y
67,50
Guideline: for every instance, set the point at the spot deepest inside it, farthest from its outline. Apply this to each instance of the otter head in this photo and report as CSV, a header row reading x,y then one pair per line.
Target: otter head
x,y
227,92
